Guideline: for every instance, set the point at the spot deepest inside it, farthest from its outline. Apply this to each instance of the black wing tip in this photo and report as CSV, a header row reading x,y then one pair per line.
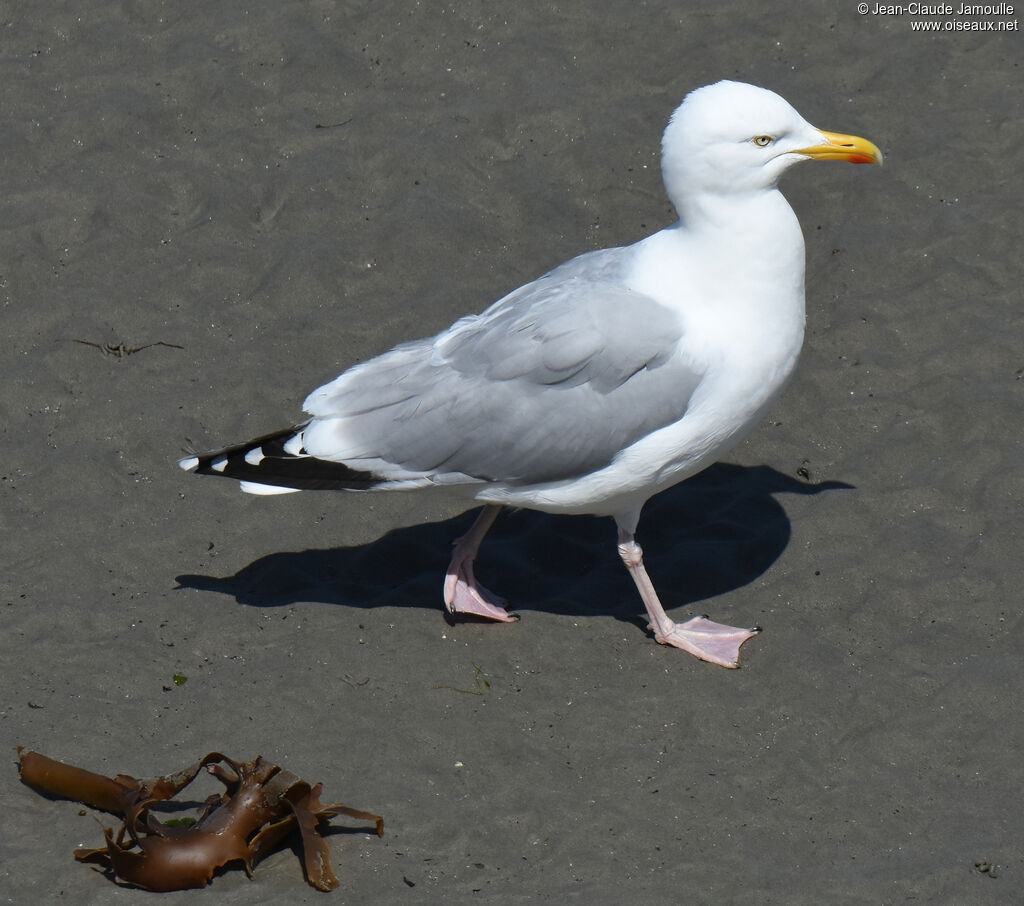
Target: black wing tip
x,y
266,461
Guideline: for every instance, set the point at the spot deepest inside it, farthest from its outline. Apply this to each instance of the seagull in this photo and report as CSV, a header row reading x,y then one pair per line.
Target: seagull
x,y
609,379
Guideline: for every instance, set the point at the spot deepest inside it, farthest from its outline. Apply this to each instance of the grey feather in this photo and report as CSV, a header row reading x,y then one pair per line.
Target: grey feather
x,y
513,394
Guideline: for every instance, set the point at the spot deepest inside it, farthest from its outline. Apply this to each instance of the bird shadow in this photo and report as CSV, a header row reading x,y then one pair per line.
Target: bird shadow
x,y
713,533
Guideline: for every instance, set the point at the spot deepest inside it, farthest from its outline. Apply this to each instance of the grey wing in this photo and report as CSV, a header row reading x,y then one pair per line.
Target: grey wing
x,y
551,382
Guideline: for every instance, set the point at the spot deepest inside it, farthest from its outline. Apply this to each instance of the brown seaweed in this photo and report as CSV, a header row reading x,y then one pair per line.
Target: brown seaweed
x,y
261,805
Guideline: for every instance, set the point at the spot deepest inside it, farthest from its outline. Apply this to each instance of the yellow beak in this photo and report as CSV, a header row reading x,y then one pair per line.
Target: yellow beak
x,y
844,147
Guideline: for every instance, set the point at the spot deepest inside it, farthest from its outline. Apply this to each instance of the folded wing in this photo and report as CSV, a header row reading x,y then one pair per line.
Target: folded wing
x,y
552,382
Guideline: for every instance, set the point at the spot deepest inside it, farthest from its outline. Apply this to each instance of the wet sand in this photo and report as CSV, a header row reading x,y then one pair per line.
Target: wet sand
x,y
271,196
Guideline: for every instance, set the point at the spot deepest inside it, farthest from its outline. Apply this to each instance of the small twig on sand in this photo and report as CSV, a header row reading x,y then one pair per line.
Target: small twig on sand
x,y
120,350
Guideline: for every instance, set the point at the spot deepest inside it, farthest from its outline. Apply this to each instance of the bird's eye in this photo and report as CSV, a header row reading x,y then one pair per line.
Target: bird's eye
x,y
762,141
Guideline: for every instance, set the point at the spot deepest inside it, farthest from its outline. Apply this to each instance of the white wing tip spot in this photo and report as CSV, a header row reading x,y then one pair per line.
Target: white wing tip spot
x,y
252,487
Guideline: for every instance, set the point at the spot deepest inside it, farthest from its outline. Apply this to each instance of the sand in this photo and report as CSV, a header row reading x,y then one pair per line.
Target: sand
x,y
272,192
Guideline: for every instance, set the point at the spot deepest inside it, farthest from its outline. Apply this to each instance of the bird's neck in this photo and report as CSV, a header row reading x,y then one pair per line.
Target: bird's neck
x,y
757,218
743,249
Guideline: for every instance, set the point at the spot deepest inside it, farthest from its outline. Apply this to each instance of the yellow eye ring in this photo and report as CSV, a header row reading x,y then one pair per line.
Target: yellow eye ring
x,y
762,141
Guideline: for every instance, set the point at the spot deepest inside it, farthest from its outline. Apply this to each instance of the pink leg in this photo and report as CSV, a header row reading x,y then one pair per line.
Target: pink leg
x,y
462,593
714,642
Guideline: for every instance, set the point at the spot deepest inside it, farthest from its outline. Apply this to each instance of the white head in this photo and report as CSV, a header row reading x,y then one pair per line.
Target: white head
x,y
731,137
